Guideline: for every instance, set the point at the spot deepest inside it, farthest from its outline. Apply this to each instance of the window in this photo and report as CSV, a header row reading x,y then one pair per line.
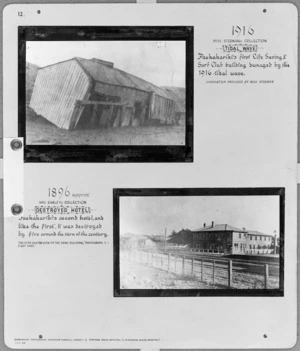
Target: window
x,y
240,235
265,238
250,237
236,246
256,238
253,246
250,247
260,238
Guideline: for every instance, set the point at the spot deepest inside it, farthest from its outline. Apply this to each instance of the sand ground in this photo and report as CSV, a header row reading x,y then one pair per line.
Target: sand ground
x,y
41,132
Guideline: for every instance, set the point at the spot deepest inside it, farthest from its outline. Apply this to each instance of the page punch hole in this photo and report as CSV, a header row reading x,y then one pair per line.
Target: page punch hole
x,y
16,209
264,10
16,144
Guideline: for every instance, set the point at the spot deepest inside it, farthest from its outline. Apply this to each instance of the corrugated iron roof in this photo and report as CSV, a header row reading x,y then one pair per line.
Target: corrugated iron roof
x,y
105,73
220,228
178,93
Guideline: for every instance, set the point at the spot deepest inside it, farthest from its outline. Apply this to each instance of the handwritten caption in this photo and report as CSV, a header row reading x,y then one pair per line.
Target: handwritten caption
x,y
247,61
66,218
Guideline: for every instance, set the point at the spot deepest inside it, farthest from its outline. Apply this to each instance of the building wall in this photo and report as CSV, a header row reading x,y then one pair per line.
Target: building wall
x,y
239,242
164,110
31,73
232,242
128,94
259,244
215,242
161,108
56,90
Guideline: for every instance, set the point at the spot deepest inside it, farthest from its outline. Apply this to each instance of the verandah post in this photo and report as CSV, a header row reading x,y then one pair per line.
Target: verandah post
x,y
266,274
229,273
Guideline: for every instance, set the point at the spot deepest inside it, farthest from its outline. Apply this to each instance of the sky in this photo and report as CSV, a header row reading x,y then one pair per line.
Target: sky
x,y
161,63
151,215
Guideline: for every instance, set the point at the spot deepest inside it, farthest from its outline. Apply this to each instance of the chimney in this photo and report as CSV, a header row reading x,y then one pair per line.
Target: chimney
x,y
204,225
212,224
244,229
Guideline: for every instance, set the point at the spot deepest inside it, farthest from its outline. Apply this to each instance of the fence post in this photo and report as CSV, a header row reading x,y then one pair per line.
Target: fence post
x,y
214,263
169,259
202,270
183,262
192,273
229,273
266,273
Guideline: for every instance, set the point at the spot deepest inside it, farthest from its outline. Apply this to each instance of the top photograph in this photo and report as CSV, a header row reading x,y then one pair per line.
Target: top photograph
x,y
110,92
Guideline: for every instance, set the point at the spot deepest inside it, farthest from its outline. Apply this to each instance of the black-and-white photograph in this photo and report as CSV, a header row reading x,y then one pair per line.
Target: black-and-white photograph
x,y
190,241
107,92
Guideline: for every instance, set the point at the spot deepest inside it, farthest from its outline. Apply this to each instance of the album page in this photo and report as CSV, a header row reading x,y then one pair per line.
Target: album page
x,y
150,175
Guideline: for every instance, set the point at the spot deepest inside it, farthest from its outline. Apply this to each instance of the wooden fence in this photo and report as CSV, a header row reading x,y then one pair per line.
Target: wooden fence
x,y
215,271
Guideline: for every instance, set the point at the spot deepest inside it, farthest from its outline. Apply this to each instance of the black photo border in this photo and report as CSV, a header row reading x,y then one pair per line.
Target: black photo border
x,y
107,153
117,193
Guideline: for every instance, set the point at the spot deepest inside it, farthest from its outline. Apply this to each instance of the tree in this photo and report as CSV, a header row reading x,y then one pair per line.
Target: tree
x,y
183,237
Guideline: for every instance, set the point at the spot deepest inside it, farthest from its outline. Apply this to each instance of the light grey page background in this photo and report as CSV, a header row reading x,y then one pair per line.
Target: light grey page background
x,y
2,5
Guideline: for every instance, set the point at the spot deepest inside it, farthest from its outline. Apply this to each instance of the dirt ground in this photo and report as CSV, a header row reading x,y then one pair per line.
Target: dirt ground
x,y
41,132
138,276
135,275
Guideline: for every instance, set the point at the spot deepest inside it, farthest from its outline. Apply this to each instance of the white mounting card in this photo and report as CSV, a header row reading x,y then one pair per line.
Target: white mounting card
x,y
157,182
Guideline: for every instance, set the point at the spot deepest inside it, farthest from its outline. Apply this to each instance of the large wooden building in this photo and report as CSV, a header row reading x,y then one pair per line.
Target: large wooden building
x,y
224,238
92,93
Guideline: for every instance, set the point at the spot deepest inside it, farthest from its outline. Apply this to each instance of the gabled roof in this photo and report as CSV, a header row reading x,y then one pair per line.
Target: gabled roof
x,y
220,228
255,232
105,72
178,93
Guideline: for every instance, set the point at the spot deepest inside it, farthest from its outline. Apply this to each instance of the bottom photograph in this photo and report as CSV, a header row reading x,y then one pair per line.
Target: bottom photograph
x,y
198,242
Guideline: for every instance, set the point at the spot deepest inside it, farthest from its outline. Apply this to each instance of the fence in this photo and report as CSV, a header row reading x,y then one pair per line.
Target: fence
x,y
214,271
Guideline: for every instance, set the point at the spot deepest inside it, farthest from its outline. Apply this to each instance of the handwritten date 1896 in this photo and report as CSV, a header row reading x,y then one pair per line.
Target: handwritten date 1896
x,y
58,192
